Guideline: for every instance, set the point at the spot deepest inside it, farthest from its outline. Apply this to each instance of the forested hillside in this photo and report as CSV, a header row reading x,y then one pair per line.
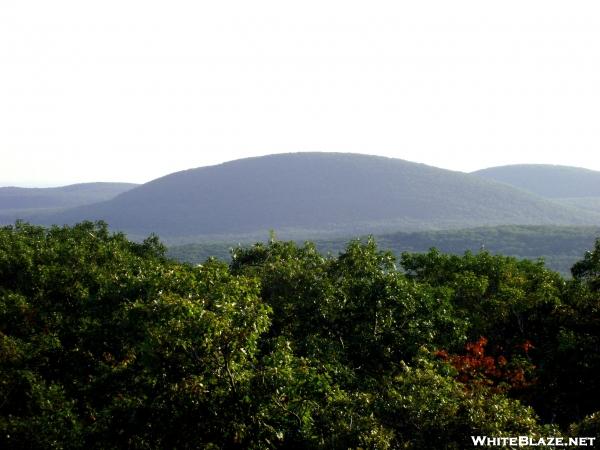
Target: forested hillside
x,y
560,247
303,193
105,343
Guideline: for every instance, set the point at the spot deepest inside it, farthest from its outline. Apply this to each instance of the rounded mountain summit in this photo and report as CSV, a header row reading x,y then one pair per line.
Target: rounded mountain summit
x,y
319,192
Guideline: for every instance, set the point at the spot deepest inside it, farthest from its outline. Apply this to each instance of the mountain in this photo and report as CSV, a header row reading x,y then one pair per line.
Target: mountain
x,y
16,202
547,180
302,193
570,186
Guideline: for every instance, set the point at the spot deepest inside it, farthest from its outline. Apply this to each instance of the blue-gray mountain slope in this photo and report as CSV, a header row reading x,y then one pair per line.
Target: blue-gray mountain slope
x,y
17,202
571,186
319,192
547,180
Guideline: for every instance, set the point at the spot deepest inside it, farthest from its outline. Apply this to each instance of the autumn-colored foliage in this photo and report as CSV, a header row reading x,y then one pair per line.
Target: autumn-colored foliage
x,y
476,367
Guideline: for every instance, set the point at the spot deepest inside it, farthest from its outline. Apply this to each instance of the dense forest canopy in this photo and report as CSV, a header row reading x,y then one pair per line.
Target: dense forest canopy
x,y
106,343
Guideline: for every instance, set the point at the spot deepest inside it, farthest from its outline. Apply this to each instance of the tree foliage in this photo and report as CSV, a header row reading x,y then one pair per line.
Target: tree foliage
x,y
106,343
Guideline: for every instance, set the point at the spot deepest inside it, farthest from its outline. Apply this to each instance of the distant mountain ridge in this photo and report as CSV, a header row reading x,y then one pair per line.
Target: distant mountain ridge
x,y
547,180
570,186
18,202
319,192
64,196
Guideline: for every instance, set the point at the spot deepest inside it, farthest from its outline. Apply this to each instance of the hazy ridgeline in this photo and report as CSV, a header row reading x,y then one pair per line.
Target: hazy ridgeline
x,y
321,194
18,203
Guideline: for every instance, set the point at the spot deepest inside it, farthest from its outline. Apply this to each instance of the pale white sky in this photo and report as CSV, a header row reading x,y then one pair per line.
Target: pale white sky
x,y
132,90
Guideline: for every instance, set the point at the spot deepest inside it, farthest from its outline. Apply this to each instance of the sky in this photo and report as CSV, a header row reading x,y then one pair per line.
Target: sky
x,y
133,90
